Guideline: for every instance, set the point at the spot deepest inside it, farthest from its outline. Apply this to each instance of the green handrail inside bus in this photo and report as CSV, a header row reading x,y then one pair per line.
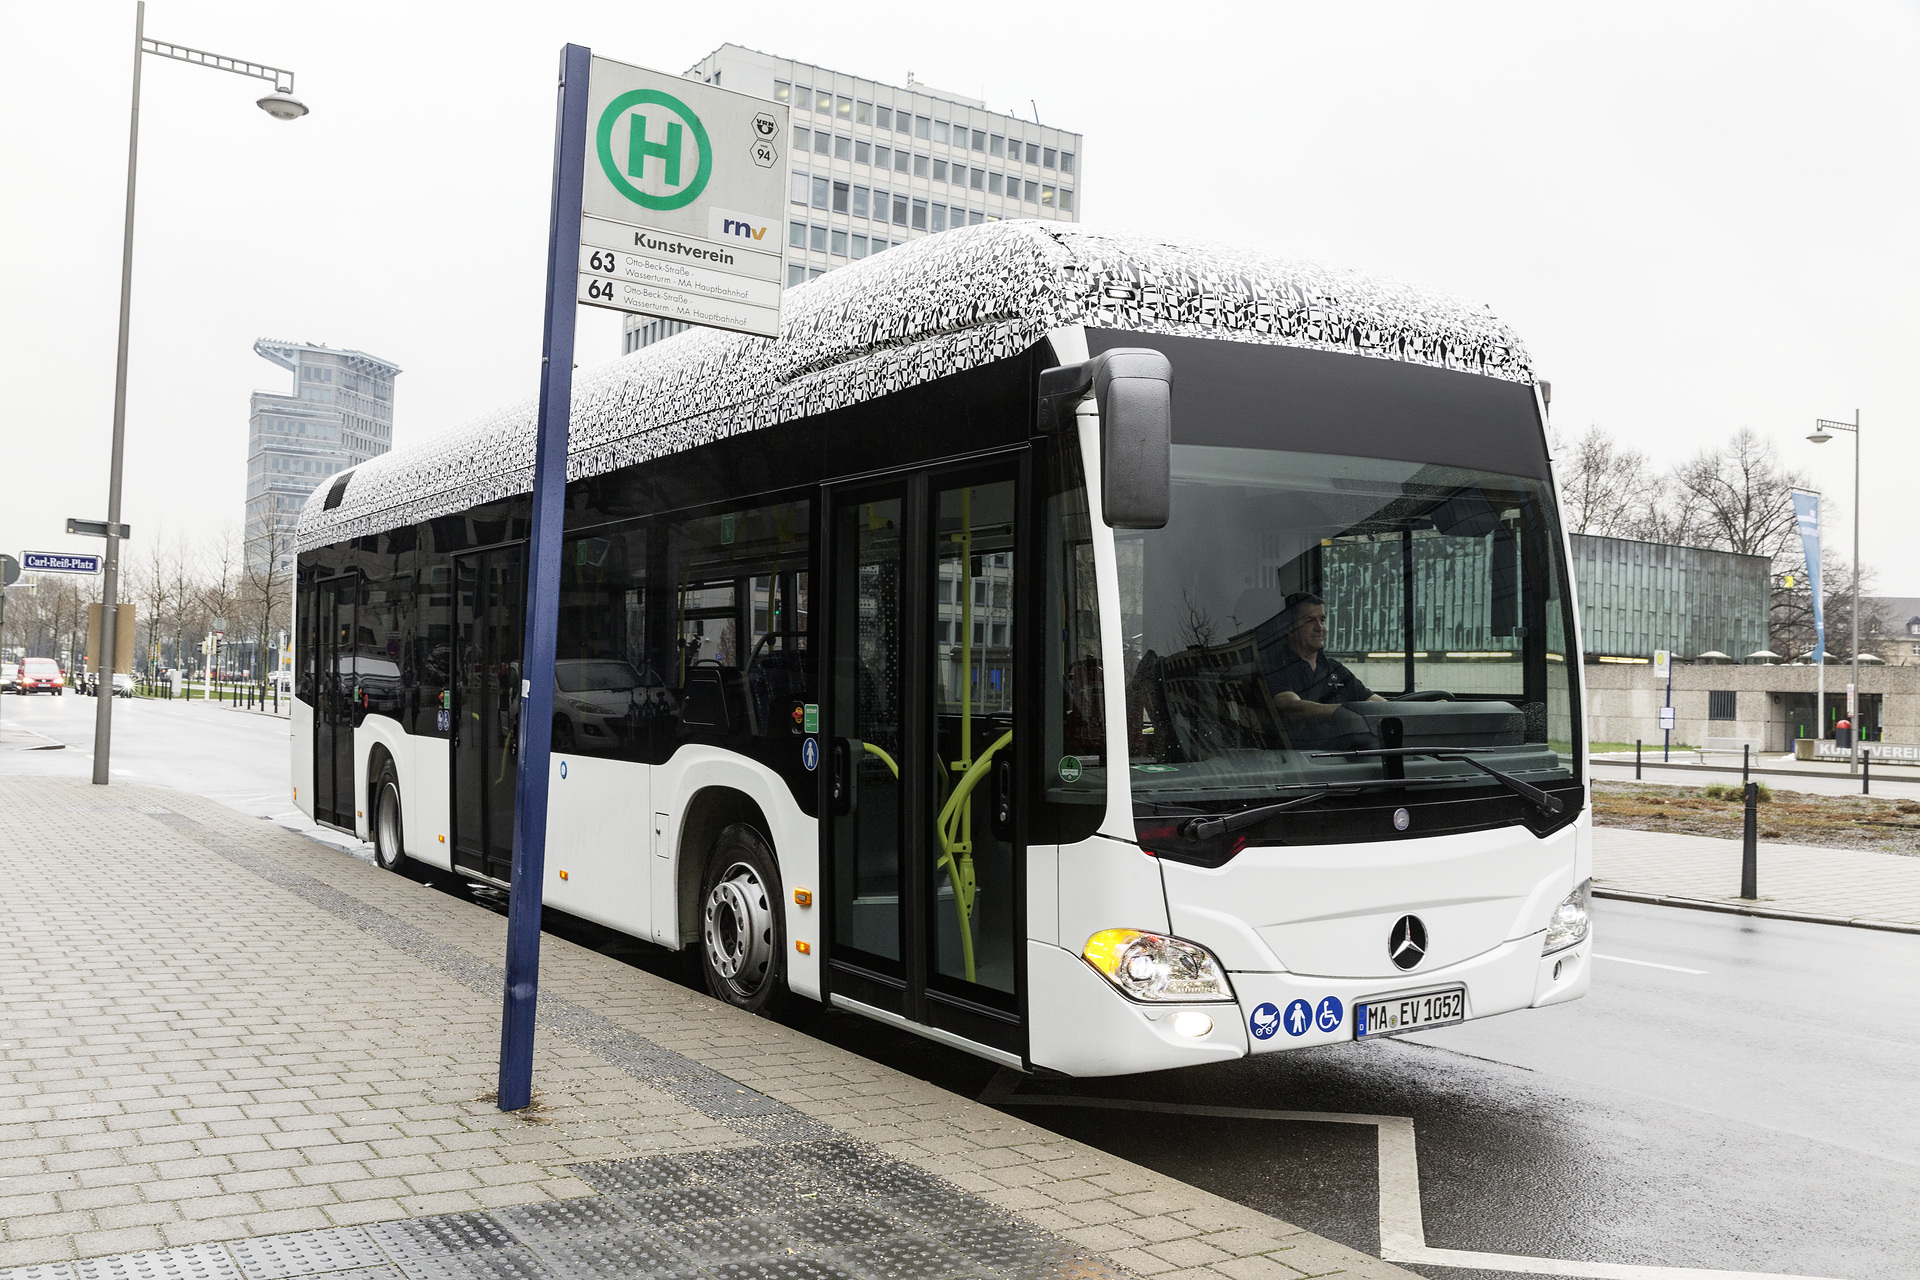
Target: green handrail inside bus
x,y
956,854
885,759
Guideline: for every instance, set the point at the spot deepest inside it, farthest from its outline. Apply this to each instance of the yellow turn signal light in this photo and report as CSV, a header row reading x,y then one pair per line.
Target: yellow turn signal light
x,y
804,948
803,897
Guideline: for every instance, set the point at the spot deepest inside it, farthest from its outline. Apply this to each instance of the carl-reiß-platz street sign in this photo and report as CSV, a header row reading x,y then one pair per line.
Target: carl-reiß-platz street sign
x,y
682,200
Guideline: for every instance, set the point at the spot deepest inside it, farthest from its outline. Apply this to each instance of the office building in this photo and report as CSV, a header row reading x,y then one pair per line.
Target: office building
x,y
339,414
872,165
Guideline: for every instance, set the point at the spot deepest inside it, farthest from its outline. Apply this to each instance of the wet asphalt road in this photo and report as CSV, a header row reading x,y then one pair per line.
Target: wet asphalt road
x,y
1753,1106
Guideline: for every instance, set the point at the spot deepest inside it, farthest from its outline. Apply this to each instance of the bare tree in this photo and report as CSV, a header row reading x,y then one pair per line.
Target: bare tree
x,y
1741,493
220,587
265,586
1607,487
1790,615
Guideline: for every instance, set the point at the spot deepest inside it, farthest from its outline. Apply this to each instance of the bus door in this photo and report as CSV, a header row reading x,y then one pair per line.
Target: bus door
x,y
926,870
490,596
335,694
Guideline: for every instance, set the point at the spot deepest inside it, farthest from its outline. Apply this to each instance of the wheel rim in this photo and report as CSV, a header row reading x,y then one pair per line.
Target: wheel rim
x,y
386,827
737,926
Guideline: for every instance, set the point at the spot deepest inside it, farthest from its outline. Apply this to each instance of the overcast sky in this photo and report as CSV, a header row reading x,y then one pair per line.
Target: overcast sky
x,y
1699,216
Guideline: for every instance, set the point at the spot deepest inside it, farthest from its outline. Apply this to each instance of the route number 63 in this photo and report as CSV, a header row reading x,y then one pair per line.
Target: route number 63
x,y
602,260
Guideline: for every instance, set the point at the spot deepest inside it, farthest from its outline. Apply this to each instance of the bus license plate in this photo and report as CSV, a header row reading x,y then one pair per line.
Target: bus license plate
x,y
1393,1015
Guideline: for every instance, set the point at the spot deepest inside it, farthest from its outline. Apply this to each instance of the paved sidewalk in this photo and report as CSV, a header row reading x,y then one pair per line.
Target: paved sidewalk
x,y
226,1050
1843,885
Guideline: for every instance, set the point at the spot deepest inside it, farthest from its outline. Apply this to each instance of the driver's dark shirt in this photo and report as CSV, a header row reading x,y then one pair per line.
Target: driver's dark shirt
x,y
1328,680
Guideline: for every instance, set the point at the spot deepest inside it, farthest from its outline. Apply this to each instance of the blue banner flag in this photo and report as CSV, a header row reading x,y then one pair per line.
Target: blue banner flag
x,y
1806,511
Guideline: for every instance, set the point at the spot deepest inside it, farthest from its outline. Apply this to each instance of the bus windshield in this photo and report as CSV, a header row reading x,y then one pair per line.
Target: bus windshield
x,y
1312,618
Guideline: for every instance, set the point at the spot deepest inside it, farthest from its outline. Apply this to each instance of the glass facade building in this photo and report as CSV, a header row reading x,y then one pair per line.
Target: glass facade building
x,y
872,165
339,414
1636,597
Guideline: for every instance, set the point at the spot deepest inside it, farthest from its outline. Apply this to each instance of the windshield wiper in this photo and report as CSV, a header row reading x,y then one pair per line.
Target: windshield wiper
x,y
1547,803
1209,828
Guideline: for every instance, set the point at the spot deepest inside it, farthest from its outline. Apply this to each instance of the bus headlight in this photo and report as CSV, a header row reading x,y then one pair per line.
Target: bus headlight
x,y
1569,924
1150,967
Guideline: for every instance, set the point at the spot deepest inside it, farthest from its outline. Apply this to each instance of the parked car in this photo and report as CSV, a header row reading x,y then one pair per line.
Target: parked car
x,y
9,674
40,675
122,685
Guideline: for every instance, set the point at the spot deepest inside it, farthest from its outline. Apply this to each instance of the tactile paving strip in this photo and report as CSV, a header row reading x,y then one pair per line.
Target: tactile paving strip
x,y
1011,1248
305,1253
432,1237
39,1271
840,1222
680,1204
190,1262
779,1269
651,1174
561,1219
906,1258
514,1263
940,1210
610,1258
733,1239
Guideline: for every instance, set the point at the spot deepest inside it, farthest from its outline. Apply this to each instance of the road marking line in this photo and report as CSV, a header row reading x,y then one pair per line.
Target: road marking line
x,y
1648,964
1403,1236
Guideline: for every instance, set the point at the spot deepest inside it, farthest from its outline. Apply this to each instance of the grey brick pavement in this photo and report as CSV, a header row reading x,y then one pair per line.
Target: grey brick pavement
x,y
1840,884
226,1050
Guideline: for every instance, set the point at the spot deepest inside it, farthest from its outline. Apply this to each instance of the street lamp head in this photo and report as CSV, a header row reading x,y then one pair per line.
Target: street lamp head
x,y
1820,435
282,105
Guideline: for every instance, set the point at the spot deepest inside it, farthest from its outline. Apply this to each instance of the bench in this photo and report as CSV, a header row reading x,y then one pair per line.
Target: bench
x,y
1726,746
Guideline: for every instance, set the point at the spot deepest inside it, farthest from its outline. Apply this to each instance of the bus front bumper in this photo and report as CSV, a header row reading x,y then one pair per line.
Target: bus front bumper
x,y
1081,1026
1513,975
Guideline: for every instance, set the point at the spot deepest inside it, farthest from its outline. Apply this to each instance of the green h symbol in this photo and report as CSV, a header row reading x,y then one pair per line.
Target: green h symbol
x,y
638,149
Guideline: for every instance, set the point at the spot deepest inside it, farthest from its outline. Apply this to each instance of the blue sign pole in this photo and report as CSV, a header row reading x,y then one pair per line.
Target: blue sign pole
x,y
522,994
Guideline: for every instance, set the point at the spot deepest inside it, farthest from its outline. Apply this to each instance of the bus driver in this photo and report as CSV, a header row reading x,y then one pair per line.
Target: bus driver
x,y
1309,687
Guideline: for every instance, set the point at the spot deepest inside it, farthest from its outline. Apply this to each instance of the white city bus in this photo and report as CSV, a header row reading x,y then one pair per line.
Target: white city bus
x,y
1098,654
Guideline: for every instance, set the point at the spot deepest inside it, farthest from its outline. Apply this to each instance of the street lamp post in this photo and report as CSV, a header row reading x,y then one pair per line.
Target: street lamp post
x,y
1823,429
281,105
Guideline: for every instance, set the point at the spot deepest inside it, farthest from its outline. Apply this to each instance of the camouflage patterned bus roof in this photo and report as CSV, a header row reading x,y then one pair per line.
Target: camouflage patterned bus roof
x,y
914,313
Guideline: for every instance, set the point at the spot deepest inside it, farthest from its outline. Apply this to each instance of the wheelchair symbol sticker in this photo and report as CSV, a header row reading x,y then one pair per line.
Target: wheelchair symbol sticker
x,y
810,754
1329,1015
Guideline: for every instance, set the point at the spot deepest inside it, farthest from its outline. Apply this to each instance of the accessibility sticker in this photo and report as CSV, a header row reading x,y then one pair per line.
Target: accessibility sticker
x,y
1265,1021
1299,1018
1330,1014
810,754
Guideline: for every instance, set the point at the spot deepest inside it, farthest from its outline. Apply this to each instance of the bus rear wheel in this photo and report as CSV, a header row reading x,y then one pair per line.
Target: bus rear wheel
x,y
742,934
389,849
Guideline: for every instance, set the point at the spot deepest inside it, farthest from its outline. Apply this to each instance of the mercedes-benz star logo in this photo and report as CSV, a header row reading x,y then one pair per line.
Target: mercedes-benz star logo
x,y
1407,942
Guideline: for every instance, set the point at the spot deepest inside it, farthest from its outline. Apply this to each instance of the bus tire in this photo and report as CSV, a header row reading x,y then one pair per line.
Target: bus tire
x,y
742,931
389,846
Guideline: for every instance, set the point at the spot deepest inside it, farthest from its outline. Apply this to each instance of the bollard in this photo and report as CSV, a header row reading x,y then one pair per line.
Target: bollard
x,y
1866,773
1746,761
1636,759
1750,846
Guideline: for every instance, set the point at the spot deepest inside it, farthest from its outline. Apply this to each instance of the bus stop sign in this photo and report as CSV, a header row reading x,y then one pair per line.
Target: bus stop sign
x,y
681,200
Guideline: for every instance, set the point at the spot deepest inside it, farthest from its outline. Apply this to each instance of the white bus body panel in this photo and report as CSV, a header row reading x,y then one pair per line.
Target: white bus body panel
x,y
300,755
1327,909
386,732
426,800
1078,1024
597,838
796,845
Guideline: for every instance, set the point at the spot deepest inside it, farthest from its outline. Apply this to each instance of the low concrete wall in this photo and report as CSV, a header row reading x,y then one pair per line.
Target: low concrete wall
x,y
1624,701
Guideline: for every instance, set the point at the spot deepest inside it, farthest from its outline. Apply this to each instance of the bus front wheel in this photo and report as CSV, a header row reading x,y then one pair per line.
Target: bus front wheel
x,y
742,933
389,850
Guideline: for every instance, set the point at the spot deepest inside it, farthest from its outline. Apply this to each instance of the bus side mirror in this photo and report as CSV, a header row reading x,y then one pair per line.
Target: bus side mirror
x,y
1133,389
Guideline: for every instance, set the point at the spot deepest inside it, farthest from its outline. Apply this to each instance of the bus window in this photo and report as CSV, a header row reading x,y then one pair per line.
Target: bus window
x,y
738,586
1073,760
603,684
